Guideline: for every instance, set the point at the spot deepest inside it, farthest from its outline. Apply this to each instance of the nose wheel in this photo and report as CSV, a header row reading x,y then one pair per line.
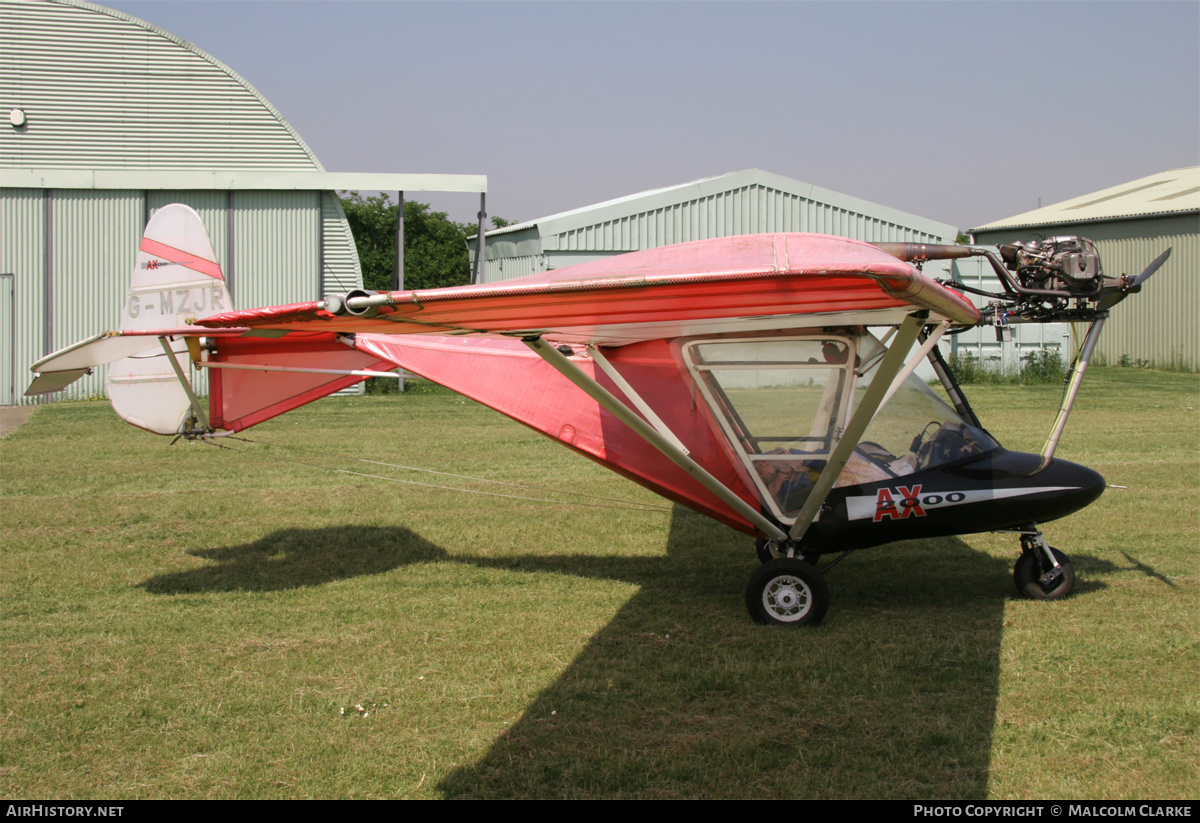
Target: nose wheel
x,y
1042,572
787,592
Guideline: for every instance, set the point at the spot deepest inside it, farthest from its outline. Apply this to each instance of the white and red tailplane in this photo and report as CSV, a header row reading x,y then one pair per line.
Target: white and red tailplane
x,y
175,282
253,375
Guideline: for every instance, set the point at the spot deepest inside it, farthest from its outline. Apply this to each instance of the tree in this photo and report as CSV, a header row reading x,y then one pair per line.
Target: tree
x,y
472,229
435,248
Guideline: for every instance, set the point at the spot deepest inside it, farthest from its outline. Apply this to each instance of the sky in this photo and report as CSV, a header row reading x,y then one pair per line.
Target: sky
x,y
962,112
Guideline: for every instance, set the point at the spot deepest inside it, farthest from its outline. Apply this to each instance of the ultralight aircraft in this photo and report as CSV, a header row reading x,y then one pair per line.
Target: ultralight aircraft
x,y
763,380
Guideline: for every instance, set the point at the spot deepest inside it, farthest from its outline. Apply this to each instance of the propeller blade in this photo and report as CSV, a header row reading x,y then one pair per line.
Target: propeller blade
x,y
1151,269
1108,301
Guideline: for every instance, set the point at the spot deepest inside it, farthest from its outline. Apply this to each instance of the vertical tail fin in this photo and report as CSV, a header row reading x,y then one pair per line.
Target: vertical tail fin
x,y
251,378
175,282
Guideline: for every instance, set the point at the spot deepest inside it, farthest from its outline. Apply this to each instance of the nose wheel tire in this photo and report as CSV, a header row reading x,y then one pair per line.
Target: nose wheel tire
x,y
787,592
1035,580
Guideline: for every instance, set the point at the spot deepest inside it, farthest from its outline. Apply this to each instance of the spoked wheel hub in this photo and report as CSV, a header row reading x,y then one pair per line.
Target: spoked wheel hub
x,y
787,598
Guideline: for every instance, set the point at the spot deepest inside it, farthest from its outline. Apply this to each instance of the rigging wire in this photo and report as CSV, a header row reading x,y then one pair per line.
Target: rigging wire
x,y
624,504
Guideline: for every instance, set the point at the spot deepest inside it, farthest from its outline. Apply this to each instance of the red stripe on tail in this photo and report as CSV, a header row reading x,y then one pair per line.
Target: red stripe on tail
x,y
183,258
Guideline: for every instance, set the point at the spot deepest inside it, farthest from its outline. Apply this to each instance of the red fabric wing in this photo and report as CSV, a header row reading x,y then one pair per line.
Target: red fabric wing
x,y
751,276
506,376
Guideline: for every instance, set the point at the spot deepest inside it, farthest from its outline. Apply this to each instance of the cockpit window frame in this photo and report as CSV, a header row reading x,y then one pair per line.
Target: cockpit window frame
x,y
727,417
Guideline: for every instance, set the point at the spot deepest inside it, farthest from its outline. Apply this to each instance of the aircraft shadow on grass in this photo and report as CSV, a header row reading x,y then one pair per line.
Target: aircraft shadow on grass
x,y
297,558
894,696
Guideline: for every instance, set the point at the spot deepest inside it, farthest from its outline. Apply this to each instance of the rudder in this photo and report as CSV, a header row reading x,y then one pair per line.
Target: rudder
x,y
176,281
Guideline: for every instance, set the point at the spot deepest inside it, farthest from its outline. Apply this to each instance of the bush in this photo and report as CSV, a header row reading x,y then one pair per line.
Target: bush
x,y
1041,366
381,385
1126,362
967,368
412,385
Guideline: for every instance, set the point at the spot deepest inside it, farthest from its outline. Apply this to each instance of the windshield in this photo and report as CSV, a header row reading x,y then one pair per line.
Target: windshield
x,y
916,430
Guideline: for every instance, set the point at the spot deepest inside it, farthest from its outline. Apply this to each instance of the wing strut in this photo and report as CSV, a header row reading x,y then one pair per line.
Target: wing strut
x,y
205,364
871,402
651,435
197,409
926,345
635,398
942,369
1080,366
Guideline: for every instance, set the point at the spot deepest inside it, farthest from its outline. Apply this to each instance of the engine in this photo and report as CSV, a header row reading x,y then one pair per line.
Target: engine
x,y
1043,281
1067,265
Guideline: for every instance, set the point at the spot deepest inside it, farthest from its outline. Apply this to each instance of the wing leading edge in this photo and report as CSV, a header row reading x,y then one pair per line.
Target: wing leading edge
x,y
726,284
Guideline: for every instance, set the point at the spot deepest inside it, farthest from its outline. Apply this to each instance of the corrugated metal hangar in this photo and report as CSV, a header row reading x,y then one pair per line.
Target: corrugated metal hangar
x,y
1131,225
741,202
111,118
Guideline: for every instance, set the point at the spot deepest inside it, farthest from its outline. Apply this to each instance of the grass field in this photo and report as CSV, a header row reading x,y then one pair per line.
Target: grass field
x,y
185,621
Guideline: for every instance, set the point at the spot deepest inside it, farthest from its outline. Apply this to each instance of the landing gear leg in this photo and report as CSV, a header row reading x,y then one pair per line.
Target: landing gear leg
x,y
765,549
768,550
1042,572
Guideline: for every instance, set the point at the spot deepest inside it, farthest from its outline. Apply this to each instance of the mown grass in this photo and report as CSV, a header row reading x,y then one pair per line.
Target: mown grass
x,y
190,622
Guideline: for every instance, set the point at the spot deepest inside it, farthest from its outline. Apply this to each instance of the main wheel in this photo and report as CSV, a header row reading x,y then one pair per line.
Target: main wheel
x,y
1028,572
787,592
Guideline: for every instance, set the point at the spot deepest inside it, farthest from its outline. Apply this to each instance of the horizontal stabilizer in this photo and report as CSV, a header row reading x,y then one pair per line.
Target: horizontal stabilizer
x,y
61,369
54,381
100,349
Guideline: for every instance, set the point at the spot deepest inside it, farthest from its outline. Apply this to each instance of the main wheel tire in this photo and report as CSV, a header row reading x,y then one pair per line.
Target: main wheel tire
x,y
787,592
1027,575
